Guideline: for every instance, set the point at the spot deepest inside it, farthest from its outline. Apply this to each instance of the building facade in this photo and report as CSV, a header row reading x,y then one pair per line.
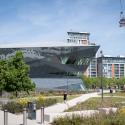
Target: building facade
x,y
92,68
55,67
58,66
112,67
55,61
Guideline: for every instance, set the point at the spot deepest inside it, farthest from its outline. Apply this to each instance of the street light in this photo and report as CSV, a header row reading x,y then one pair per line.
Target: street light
x,y
101,53
67,82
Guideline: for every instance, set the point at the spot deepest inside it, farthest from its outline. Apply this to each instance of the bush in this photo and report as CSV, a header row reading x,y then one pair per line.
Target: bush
x,y
122,111
99,119
23,102
17,107
13,107
74,120
45,102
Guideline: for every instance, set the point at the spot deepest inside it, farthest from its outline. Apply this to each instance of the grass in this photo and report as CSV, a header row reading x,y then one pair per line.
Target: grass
x,y
101,119
69,97
122,93
95,103
58,98
59,93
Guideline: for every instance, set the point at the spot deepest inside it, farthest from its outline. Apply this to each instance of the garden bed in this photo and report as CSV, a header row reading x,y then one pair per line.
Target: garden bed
x,y
17,105
97,119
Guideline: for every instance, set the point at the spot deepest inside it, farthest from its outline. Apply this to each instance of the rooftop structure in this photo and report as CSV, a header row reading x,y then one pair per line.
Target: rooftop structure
x,y
78,38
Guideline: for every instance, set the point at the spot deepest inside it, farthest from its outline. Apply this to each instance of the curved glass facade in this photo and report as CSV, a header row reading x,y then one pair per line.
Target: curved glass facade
x,y
54,62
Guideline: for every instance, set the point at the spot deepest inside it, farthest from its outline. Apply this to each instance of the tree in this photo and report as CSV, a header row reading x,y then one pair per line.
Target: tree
x,y
16,76
96,81
120,82
3,69
89,82
86,81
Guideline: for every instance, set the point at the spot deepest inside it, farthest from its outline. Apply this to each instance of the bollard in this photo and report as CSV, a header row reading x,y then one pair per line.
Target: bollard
x,y
24,116
42,115
5,117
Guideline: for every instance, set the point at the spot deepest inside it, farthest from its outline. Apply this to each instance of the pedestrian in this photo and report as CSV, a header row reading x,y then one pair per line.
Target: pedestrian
x,y
111,91
65,97
124,88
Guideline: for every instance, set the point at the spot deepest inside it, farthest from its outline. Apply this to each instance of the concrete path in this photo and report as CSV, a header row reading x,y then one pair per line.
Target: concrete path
x,y
61,107
57,108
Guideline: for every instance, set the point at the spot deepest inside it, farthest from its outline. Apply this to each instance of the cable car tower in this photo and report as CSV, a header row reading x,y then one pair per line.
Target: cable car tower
x,y
122,17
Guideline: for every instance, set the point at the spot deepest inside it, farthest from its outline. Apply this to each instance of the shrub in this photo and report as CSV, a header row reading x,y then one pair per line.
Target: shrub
x,y
17,106
122,111
41,98
13,107
50,101
23,102
45,102
101,119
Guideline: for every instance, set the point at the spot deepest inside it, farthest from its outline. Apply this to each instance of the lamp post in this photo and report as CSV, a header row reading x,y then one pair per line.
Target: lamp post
x,y
101,67
67,82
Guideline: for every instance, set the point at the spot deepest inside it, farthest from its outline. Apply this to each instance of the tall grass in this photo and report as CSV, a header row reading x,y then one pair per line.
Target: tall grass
x,y
98,119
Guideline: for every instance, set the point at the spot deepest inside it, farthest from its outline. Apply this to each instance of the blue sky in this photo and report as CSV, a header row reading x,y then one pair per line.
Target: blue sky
x,y
40,21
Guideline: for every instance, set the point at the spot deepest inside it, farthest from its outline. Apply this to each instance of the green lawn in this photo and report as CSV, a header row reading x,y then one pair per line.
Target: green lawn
x,y
69,97
59,97
95,103
115,94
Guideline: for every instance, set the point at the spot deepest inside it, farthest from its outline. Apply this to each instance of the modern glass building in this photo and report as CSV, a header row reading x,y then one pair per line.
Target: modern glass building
x,y
61,64
58,66
54,62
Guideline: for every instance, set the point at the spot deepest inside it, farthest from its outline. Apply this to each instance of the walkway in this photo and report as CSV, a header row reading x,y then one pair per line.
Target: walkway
x,y
57,108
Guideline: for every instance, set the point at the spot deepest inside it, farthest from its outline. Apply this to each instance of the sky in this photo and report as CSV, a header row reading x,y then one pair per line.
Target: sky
x,y
47,21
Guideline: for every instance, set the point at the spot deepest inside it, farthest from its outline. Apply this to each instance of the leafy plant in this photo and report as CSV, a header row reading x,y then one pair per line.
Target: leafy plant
x,y
14,75
13,107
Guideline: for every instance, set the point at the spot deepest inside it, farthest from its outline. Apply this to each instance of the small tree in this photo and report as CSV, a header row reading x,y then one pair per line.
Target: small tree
x,y
17,75
3,69
96,81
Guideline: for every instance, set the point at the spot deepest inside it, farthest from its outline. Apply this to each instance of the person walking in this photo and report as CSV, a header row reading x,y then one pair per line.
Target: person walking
x,y
111,91
65,97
